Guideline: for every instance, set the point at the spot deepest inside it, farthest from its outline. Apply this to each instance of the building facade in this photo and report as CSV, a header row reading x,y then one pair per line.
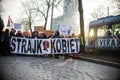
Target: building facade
x,y
70,16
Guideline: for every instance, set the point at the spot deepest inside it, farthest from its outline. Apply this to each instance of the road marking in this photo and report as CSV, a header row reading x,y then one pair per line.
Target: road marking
x,y
75,65
63,63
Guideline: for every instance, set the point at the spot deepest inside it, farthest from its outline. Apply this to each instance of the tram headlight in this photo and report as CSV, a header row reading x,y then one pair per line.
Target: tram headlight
x,y
91,34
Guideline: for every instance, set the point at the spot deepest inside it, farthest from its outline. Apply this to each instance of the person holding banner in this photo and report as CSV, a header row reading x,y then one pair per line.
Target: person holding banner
x,y
56,35
19,34
25,35
35,35
42,36
12,32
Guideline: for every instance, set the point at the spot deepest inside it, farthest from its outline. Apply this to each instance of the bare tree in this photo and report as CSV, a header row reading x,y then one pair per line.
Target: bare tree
x,y
44,8
25,23
40,9
98,13
117,2
29,14
48,4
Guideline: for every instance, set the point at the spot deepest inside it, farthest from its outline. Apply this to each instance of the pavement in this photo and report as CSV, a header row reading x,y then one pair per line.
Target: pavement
x,y
38,68
98,61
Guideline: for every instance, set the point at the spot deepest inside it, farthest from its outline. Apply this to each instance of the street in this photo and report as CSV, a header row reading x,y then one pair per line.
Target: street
x,y
37,68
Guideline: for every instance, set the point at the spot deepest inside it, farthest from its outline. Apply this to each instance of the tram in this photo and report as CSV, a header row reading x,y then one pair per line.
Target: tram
x,y
104,34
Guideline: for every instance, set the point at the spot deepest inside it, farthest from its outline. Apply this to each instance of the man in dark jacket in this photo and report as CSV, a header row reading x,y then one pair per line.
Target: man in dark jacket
x,y
12,33
5,47
1,32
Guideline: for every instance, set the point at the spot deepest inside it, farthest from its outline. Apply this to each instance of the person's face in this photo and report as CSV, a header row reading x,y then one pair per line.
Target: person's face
x,y
53,33
35,33
56,33
25,34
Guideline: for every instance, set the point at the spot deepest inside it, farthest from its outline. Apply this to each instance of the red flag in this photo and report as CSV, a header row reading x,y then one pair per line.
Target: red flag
x,y
9,21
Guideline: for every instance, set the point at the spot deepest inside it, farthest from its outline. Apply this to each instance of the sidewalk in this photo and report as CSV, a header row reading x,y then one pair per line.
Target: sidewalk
x,y
103,62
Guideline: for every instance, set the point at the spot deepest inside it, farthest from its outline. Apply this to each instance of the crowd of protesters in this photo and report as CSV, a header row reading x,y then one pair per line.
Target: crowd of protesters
x,y
6,35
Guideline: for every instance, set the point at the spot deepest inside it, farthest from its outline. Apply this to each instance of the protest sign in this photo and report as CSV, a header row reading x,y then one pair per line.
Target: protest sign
x,y
44,46
17,26
64,30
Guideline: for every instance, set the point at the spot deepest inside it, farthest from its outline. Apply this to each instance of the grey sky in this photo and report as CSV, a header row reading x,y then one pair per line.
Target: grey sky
x,y
14,8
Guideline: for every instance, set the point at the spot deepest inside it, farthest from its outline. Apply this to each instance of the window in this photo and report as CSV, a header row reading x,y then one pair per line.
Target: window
x,y
101,31
116,29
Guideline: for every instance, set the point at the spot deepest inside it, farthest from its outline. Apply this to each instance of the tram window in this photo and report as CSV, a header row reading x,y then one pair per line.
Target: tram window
x,y
101,31
116,29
